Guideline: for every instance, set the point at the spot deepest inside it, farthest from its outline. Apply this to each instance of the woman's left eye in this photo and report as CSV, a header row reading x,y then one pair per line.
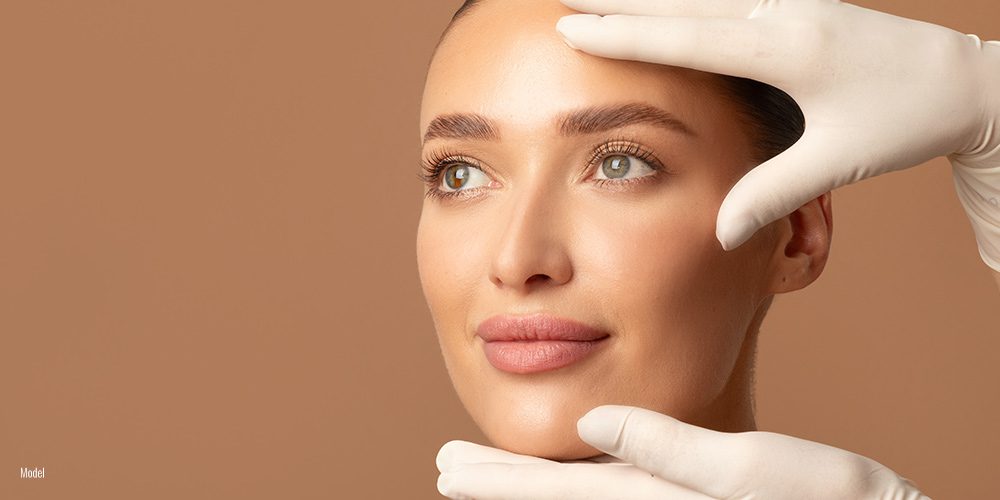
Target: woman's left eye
x,y
619,166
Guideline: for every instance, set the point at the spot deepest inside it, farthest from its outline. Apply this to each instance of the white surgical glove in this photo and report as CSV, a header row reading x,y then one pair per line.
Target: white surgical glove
x,y
664,458
879,93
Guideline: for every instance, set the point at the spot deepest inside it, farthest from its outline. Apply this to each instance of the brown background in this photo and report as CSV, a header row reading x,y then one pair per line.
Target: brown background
x,y
208,285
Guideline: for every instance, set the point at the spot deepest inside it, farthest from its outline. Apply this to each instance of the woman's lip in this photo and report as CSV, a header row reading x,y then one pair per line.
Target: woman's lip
x,y
533,356
536,343
536,327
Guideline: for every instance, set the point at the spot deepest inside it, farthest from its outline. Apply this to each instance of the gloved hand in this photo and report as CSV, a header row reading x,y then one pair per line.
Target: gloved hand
x,y
665,458
879,93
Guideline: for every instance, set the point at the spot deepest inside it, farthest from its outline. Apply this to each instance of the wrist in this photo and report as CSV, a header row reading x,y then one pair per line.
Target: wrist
x,y
976,168
981,147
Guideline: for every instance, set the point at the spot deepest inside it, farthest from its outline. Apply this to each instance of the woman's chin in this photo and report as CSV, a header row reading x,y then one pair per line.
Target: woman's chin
x,y
554,442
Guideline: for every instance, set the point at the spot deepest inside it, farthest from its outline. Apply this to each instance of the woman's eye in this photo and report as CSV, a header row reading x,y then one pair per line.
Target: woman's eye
x,y
459,176
623,167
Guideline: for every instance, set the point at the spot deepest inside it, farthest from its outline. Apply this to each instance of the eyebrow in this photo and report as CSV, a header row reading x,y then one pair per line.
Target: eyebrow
x,y
462,126
604,118
578,122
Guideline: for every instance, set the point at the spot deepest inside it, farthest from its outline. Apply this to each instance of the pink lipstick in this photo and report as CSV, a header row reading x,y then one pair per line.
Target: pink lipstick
x,y
536,343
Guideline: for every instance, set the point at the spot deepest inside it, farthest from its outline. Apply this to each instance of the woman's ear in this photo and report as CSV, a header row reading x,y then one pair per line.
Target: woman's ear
x,y
802,247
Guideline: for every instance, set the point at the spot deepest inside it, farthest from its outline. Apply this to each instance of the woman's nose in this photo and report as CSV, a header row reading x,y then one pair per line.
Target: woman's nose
x,y
533,248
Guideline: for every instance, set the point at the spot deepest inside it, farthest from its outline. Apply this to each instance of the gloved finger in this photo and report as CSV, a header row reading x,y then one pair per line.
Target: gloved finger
x,y
458,453
673,8
757,49
558,481
699,459
782,184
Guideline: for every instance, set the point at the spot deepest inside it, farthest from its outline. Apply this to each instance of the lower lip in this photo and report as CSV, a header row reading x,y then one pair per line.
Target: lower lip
x,y
533,356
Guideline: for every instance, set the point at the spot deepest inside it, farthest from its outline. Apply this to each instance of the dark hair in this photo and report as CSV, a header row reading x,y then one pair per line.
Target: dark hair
x,y
773,116
463,10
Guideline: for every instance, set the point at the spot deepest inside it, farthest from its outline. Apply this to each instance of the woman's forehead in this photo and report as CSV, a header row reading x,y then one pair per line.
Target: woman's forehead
x,y
534,80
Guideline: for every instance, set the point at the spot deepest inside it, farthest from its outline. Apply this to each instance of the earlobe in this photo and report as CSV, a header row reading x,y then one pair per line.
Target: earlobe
x,y
803,245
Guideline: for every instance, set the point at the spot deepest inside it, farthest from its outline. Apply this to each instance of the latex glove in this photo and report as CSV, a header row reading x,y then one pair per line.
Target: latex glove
x,y
663,458
879,92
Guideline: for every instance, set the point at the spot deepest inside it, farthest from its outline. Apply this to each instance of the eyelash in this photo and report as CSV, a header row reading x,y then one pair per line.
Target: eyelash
x,y
437,162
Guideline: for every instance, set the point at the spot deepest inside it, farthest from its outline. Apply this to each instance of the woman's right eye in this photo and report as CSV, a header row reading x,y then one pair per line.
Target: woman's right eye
x,y
462,176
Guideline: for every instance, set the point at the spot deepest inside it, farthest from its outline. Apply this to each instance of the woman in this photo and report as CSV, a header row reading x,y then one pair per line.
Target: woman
x,y
586,192
577,197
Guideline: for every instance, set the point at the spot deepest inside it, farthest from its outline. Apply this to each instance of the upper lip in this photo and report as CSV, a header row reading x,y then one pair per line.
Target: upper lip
x,y
536,327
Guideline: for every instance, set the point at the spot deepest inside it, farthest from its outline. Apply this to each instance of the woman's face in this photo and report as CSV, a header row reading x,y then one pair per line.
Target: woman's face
x,y
585,189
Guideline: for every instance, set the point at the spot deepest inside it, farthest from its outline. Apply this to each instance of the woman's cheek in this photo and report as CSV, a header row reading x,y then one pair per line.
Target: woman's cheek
x,y
626,240
445,266
450,255
665,277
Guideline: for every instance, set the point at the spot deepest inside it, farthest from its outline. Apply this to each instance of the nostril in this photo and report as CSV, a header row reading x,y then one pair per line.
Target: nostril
x,y
537,278
534,279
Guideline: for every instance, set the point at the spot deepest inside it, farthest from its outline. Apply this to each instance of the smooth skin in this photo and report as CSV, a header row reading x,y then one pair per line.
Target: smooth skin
x,y
540,228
